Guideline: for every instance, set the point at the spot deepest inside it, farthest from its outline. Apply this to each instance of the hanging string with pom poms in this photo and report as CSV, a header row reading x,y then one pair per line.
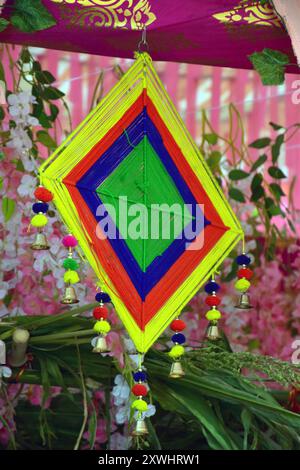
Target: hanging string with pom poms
x,y
39,220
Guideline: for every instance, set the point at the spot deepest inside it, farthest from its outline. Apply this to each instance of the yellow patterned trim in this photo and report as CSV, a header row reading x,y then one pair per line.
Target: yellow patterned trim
x,y
128,14
252,13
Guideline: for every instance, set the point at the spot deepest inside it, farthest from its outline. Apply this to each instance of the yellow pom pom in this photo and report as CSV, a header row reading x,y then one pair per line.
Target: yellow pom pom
x,y
102,327
140,405
39,220
242,285
176,351
213,315
71,277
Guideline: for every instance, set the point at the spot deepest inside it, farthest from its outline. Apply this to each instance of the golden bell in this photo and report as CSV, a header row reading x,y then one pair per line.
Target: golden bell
x,y
244,302
140,428
40,242
101,345
176,371
213,333
69,296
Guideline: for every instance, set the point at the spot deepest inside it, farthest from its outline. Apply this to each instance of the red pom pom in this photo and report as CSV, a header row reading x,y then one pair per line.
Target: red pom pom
x,y
212,300
245,272
100,312
139,390
42,194
69,241
177,325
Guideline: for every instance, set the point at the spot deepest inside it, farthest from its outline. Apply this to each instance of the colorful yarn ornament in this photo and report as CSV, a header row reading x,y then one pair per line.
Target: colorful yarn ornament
x,y
40,207
139,390
102,297
100,312
148,280
178,325
177,351
242,285
178,338
71,277
139,376
213,315
70,263
43,194
102,327
69,241
39,220
140,405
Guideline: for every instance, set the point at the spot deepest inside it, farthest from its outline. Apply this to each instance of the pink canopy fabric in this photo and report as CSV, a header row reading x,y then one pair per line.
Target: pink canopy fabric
x,y
214,32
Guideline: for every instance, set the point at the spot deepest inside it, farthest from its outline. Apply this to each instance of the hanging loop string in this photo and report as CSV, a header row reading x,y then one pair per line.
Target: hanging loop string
x,y
143,44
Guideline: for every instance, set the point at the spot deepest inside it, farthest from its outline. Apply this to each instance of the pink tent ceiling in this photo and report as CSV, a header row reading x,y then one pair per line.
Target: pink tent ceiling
x,y
214,32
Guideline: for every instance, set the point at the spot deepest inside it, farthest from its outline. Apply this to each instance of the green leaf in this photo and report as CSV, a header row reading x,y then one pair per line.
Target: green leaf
x,y
276,172
44,77
2,113
25,55
1,182
2,73
256,188
260,161
8,208
45,139
275,126
211,138
213,160
276,191
235,175
51,93
31,15
36,66
92,428
270,65
3,24
54,110
276,147
246,419
260,143
237,195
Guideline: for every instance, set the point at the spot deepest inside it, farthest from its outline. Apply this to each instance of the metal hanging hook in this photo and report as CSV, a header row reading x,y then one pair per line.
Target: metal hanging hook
x,y
143,44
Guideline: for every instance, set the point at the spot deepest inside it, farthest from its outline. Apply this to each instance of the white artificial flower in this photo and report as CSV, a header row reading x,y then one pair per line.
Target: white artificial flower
x,y
129,346
27,186
135,360
146,414
121,390
122,414
4,286
20,140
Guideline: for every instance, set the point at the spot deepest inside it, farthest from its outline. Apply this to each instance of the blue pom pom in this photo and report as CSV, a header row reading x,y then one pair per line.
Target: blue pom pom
x,y
178,338
102,297
140,376
243,259
211,287
38,207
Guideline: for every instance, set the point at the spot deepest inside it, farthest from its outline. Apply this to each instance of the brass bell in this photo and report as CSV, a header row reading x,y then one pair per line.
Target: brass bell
x,y
176,371
69,296
213,333
101,345
40,242
244,302
140,428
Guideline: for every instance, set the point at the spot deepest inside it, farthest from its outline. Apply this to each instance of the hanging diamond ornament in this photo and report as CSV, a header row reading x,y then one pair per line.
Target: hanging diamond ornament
x,y
134,148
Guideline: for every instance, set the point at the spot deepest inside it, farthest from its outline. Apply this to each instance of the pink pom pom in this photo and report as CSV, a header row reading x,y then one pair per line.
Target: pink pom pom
x,y
69,241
